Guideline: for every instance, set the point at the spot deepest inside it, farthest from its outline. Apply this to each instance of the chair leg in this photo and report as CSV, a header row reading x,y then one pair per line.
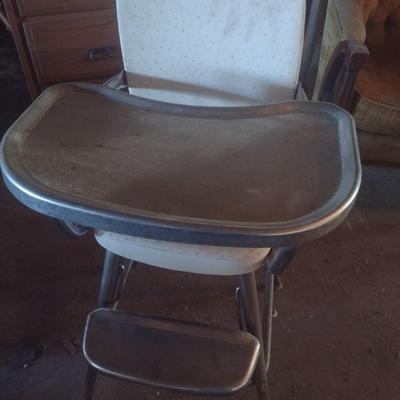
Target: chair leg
x,y
252,316
268,311
113,279
278,260
115,273
90,382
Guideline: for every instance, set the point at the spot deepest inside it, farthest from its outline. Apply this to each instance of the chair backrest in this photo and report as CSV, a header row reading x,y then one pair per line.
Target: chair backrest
x,y
212,52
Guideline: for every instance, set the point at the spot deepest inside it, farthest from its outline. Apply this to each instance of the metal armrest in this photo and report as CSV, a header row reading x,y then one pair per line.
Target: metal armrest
x,y
340,75
69,228
117,82
301,94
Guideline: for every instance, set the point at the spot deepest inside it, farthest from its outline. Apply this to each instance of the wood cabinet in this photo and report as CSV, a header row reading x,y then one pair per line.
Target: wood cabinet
x,y
65,40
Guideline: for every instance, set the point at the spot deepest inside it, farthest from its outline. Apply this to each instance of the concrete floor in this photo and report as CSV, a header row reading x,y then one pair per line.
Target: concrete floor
x,y
336,336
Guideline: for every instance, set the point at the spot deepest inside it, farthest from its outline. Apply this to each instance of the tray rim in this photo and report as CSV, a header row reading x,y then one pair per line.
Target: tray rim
x,y
176,228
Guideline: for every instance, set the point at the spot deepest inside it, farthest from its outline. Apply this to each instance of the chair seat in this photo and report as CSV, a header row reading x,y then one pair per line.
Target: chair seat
x,y
184,356
201,259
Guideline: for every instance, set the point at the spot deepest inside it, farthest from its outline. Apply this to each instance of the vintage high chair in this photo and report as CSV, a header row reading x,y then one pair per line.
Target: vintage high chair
x,y
200,173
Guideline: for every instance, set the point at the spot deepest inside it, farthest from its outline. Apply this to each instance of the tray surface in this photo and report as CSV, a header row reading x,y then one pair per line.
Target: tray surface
x,y
109,160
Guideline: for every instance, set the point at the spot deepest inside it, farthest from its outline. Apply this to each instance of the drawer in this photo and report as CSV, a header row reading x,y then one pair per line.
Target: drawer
x,y
44,7
77,46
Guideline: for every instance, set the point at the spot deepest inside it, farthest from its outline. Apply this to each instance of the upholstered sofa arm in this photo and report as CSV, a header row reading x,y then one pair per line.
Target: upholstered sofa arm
x,y
351,18
343,52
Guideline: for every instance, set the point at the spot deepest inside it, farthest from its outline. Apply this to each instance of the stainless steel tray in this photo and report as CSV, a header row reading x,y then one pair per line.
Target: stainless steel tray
x,y
252,177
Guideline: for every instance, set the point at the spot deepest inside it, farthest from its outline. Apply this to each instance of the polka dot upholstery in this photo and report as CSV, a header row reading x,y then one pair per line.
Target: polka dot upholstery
x,y
212,52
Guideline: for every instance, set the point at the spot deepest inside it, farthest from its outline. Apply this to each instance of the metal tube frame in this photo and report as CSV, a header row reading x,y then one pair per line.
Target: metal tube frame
x,y
114,276
247,294
252,319
113,279
268,311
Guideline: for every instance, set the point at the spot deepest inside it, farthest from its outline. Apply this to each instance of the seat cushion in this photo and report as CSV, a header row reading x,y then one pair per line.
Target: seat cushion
x,y
212,52
200,259
378,84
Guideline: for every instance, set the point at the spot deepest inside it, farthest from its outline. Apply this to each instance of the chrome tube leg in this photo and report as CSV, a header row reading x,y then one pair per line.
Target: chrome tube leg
x,y
252,315
113,279
115,273
277,261
268,311
90,382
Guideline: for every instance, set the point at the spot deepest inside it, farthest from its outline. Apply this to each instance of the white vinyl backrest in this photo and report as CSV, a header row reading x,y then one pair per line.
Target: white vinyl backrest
x,y
212,52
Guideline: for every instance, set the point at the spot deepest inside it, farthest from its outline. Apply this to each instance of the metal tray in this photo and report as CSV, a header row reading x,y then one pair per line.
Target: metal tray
x,y
253,177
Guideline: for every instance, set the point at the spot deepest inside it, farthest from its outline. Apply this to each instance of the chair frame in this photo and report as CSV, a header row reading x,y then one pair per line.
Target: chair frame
x,y
253,317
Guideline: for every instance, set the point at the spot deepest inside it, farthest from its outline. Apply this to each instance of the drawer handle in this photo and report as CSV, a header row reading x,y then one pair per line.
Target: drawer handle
x,y
100,53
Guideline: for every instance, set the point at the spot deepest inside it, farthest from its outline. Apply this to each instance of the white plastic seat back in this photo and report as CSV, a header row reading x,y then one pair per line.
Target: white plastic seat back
x,y
212,52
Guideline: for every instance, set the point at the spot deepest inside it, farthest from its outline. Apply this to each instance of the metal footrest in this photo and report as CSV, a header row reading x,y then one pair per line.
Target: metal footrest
x,y
188,357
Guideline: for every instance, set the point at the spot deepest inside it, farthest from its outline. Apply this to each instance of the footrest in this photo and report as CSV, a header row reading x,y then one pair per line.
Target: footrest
x,y
188,357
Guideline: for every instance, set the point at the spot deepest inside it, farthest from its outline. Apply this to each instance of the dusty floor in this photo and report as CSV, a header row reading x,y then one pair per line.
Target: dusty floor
x,y
337,334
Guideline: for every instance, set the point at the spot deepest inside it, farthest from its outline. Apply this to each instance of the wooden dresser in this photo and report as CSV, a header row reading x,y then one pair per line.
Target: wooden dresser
x,y
65,40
